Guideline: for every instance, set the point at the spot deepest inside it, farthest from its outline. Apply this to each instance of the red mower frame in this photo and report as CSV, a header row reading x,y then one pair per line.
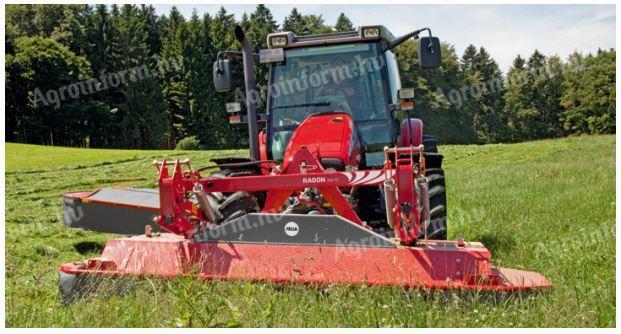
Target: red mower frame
x,y
181,216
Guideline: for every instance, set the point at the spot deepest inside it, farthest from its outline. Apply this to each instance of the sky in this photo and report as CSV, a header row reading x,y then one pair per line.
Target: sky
x,y
504,30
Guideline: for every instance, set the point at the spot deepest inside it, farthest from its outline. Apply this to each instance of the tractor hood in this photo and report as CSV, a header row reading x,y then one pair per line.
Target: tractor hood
x,y
329,136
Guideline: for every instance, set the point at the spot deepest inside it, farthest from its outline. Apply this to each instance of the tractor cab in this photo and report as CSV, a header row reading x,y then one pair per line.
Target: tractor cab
x,y
352,73
354,78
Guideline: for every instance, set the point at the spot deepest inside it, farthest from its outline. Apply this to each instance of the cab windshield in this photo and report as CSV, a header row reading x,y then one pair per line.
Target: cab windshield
x,y
330,78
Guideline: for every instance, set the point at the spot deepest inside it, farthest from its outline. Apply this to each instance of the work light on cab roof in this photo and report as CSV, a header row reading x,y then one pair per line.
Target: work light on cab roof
x,y
289,39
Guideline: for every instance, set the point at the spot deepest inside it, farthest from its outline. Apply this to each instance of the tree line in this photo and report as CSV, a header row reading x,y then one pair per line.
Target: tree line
x,y
126,77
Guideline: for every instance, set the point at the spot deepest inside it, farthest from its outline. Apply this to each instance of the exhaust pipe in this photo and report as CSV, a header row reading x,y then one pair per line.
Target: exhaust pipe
x,y
248,57
390,198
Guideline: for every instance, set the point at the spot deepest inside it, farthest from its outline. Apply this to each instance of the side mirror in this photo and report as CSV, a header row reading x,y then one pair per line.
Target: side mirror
x,y
222,75
429,52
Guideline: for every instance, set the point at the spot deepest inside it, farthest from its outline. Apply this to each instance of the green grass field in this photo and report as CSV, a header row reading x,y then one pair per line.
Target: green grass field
x,y
546,206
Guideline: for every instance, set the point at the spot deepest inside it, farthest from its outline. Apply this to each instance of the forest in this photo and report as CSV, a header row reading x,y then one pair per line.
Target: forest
x,y
110,76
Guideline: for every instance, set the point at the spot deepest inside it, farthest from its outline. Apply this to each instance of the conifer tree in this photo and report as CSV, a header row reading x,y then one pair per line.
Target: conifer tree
x,y
294,22
343,23
174,90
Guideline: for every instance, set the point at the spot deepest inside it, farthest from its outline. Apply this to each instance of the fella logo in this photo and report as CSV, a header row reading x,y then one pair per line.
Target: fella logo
x,y
292,229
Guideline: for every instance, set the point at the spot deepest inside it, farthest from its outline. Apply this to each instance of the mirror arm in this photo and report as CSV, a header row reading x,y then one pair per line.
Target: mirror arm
x,y
398,41
232,54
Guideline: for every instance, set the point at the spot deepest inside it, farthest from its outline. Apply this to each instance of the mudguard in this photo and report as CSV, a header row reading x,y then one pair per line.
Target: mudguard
x,y
411,132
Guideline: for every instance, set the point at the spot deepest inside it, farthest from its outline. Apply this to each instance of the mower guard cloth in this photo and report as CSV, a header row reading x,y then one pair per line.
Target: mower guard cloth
x,y
111,210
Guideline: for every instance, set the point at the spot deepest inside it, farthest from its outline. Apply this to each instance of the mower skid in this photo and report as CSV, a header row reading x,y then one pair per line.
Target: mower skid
x,y
73,286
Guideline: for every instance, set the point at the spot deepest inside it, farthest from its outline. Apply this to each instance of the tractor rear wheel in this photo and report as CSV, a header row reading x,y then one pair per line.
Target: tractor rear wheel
x,y
430,144
437,190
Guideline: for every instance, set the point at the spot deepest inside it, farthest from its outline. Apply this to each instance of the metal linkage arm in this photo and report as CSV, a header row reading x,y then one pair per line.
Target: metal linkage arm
x,y
406,213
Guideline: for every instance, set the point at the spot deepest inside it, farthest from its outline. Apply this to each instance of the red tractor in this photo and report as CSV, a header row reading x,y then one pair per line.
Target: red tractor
x,y
335,190
335,95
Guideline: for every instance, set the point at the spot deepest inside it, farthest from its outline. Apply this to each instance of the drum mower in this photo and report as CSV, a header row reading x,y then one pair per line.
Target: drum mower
x,y
334,190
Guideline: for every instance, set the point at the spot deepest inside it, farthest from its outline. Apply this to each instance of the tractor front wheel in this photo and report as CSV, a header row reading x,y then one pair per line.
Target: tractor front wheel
x,y
230,206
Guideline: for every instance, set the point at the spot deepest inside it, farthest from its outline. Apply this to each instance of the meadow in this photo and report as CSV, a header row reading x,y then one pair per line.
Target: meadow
x,y
546,206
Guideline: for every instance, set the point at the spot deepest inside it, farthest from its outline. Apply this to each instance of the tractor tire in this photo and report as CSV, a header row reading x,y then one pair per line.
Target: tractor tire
x,y
437,229
237,205
233,205
430,144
